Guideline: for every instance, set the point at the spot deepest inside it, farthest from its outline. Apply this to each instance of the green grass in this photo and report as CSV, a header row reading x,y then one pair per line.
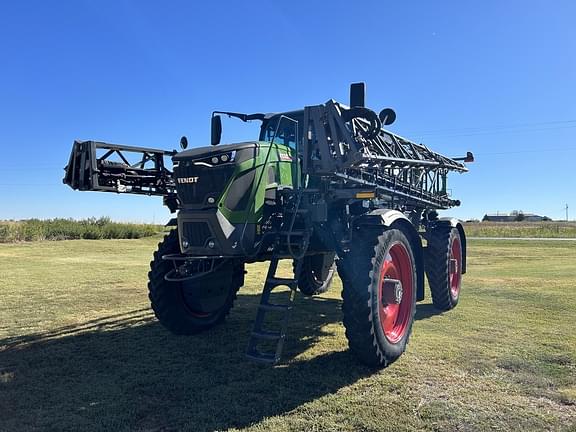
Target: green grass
x,y
80,350
69,229
522,229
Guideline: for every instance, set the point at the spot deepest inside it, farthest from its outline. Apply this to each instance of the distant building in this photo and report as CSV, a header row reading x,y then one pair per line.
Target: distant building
x,y
498,218
515,216
535,218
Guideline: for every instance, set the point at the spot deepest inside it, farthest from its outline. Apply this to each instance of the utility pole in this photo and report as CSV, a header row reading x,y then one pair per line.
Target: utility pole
x,y
566,208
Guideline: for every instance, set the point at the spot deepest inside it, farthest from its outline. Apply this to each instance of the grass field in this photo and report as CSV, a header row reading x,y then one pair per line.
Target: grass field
x,y
80,350
522,229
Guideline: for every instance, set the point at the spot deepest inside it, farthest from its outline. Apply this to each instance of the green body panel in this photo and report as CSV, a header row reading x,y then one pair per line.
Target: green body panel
x,y
280,158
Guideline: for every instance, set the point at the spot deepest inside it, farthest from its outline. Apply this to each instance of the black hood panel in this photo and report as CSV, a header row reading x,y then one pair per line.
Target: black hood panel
x,y
208,151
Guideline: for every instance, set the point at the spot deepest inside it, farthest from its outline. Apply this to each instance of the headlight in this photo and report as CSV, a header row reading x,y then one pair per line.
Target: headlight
x,y
216,160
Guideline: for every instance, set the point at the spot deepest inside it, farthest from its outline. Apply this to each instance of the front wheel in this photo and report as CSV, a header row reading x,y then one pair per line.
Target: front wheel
x,y
197,304
379,295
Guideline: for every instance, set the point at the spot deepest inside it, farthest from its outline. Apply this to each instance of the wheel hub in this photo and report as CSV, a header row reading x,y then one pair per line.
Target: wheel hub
x,y
454,266
392,291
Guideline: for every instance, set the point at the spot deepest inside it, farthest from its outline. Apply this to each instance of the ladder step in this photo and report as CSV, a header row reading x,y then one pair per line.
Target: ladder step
x,y
268,358
268,335
274,307
259,333
276,281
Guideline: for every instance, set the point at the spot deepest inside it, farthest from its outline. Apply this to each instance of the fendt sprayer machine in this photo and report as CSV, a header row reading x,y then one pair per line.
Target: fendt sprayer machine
x,y
325,186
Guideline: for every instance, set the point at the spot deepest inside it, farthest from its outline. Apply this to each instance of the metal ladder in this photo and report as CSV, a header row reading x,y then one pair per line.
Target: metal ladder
x,y
260,332
290,237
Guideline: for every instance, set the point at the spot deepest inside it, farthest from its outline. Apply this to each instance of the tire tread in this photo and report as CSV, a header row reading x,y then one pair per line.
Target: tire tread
x,y
171,314
357,273
437,270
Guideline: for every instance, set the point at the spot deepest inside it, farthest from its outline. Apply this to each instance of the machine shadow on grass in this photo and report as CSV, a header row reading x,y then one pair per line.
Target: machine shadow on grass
x,y
125,372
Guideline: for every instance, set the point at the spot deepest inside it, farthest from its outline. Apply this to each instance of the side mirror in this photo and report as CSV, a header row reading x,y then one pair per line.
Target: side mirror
x,y
357,93
216,129
183,143
469,158
387,116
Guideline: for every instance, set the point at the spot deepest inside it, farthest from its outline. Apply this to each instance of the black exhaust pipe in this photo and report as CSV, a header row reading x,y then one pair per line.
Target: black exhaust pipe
x,y
357,94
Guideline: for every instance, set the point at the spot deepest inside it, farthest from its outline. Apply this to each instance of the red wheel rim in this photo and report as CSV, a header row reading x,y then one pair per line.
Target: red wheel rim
x,y
199,314
395,301
455,267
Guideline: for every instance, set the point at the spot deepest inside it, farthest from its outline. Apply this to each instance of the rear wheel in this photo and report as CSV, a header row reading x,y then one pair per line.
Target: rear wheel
x,y
197,304
379,293
316,274
444,266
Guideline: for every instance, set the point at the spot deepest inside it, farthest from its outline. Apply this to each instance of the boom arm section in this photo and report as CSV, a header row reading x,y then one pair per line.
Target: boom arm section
x,y
136,170
349,143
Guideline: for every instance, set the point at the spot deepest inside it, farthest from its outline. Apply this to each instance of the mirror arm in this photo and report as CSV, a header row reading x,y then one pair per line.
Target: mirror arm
x,y
241,116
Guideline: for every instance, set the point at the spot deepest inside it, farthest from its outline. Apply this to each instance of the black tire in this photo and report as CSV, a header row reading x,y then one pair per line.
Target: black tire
x,y
445,289
316,273
363,271
192,306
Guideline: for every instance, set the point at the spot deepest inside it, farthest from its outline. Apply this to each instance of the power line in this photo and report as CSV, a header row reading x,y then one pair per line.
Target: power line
x,y
483,133
548,150
496,128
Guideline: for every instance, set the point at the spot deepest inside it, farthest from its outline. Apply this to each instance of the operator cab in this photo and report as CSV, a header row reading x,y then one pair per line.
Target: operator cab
x,y
278,128
283,128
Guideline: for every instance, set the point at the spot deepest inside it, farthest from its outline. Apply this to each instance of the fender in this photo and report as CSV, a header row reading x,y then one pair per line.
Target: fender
x,y
456,223
395,219
382,217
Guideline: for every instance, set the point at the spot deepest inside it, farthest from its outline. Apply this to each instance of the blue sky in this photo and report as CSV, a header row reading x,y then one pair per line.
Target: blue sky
x,y
494,77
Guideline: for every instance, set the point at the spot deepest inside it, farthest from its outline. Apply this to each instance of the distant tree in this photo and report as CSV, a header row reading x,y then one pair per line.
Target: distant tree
x,y
485,218
519,217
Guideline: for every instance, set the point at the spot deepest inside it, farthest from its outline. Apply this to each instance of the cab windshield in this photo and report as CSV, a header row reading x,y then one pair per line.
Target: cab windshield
x,y
283,129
